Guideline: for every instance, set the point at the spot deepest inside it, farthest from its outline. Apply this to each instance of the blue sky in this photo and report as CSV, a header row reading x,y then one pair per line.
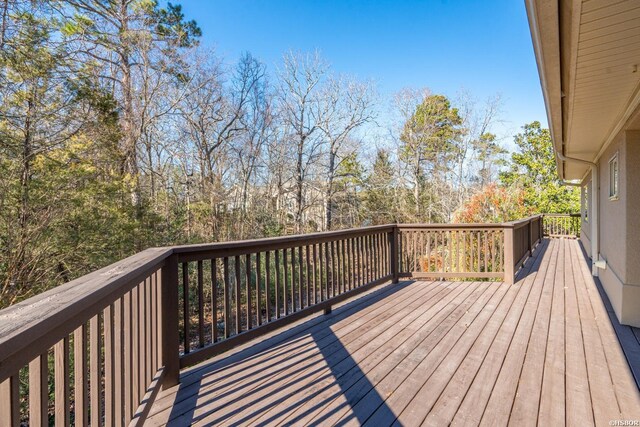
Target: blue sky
x,y
483,47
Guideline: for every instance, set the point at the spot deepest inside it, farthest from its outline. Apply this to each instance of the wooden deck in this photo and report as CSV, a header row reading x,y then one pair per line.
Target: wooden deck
x,y
541,351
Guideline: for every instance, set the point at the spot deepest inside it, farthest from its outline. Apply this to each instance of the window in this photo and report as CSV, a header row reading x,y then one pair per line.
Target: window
x,y
585,202
614,173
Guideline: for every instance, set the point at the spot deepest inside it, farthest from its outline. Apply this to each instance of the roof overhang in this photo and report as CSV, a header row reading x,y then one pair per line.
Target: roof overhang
x,y
588,56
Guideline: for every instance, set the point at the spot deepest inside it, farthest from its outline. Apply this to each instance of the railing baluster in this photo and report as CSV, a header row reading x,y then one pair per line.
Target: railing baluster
x,y
118,368
277,289
237,291
309,274
155,335
300,278
341,287
332,268
292,282
356,263
135,349
258,290
200,304
314,273
285,290
108,365
148,333
185,306
129,410
214,300
81,392
375,257
351,255
362,261
142,339
39,394
324,271
95,372
267,290
247,281
61,382
372,260
365,259
227,298
10,402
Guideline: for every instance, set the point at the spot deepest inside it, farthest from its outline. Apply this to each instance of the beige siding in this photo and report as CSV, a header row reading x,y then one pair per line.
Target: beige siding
x,y
619,227
632,167
613,226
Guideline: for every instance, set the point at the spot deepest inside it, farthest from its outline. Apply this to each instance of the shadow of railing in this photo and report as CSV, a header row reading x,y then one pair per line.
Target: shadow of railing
x,y
532,264
288,377
627,335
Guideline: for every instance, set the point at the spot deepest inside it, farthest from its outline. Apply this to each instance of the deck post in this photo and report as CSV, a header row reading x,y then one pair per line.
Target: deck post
x,y
170,338
393,242
509,261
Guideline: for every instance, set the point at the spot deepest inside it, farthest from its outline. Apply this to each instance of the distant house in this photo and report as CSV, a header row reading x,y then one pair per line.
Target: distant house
x,y
588,56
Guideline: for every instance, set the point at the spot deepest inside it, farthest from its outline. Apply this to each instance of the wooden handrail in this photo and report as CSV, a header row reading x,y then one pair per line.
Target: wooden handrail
x,y
124,331
562,225
34,325
281,241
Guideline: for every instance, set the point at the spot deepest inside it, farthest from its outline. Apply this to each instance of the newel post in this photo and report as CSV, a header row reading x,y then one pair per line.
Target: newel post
x,y
509,261
170,337
393,242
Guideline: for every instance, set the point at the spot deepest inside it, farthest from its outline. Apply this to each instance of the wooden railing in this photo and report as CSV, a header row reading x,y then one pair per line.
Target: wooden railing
x,y
97,350
558,225
520,239
232,292
451,251
466,251
89,351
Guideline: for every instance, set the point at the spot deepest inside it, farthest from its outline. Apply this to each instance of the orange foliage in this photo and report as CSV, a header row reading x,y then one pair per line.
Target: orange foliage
x,y
434,262
493,203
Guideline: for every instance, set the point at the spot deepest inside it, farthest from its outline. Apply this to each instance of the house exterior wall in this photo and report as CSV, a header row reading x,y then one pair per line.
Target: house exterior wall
x,y
619,221
585,211
632,166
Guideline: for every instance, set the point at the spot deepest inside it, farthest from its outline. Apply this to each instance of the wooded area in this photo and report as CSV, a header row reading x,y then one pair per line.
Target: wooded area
x,y
120,131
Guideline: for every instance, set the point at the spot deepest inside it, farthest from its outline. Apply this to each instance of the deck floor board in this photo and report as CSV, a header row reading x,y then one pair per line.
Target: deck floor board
x,y
540,351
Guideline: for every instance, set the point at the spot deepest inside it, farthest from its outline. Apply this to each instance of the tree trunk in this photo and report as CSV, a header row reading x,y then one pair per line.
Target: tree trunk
x,y
299,186
3,28
130,165
416,191
25,186
329,194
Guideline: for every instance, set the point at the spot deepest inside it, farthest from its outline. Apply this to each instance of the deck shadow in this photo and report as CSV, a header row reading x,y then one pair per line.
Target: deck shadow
x,y
627,335
311,379
305,377
531,266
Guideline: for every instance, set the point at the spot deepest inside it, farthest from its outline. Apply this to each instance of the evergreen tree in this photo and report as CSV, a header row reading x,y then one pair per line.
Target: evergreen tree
x,y
533,169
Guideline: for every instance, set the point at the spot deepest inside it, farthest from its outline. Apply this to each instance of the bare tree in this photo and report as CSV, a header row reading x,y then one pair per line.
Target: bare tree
x,y
214,115
477,122
260,130
347,106
300,102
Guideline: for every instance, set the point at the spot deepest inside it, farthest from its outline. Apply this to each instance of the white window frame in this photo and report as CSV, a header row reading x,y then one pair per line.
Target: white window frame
x,y
614,177
585,201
